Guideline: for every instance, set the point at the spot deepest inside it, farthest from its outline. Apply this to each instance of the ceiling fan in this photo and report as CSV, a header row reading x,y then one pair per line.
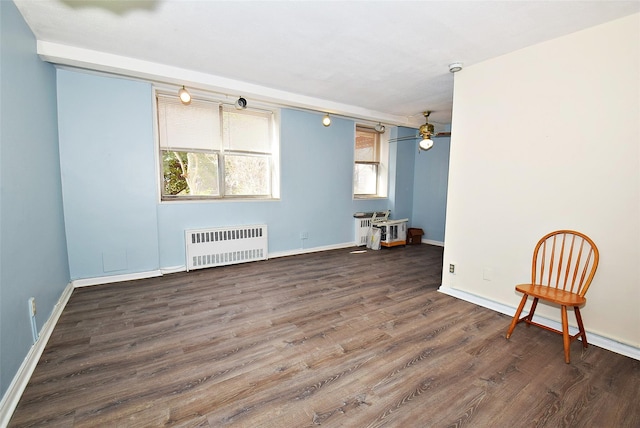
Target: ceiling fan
x,y
426,133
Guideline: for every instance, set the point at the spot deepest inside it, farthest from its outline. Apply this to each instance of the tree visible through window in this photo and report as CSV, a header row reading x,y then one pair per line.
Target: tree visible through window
x,y
188,173
209,150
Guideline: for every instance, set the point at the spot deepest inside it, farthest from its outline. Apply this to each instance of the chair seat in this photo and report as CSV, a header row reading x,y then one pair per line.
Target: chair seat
x,y
552,294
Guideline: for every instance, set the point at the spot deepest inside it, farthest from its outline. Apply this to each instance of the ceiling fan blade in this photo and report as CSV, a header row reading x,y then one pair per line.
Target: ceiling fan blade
x,y
413,137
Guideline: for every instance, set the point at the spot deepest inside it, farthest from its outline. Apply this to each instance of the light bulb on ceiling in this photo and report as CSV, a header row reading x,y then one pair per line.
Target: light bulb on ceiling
x,y
326,120
425,144
379,128
185,96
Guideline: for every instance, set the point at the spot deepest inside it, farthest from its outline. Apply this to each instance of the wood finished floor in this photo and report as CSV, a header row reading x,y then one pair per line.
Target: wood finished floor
x,y
332,339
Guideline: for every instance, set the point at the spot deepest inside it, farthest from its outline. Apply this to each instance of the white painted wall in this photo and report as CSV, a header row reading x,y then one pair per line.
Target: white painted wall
x,y
546,138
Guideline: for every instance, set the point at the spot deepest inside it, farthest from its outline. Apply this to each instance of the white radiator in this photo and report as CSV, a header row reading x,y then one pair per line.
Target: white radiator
x,y
364,223
393,232
362,227
222,246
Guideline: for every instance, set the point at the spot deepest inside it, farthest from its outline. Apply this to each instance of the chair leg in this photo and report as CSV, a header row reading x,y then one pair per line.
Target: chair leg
x,y
565,334
532,311
583,334
516,316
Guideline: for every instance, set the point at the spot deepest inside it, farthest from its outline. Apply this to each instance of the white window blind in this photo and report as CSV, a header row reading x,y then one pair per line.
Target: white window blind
x,y
246,130
195,126
367,145
367,166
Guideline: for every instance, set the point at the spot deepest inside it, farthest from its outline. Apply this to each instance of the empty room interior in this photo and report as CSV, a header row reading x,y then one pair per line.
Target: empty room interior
x,y
286,214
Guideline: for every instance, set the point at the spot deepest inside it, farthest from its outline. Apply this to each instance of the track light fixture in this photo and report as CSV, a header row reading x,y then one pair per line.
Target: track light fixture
x,y
241,104
326,120
185,96
379,128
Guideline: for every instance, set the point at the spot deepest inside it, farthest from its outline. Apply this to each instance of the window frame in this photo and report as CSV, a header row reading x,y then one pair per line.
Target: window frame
x,y
381,164
272,113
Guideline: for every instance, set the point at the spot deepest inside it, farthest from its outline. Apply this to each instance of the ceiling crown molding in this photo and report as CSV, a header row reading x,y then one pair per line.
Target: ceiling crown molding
x,y
161,73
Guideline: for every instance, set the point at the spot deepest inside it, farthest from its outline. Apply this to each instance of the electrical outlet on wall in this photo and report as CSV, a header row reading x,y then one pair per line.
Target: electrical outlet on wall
x,y
452,268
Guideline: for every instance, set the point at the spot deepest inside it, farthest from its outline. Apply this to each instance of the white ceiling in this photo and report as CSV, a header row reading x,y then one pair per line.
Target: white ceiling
x,y
380,60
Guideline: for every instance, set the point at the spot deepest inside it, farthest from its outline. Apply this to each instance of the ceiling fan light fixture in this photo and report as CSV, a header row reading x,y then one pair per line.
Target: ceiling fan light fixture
x,y
425,144
326,120
185,96
426,131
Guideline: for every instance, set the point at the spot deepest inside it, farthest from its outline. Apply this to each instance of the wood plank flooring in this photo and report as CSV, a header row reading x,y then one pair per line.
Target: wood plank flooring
x,y
332,339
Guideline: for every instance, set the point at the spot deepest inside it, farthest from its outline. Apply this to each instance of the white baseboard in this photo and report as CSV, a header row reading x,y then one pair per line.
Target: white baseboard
x,y
114,278
593,338
311,250
20,380
432,242
173,269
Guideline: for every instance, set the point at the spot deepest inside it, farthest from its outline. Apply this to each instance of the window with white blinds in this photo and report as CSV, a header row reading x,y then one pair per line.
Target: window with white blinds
x,y
367,162
212,151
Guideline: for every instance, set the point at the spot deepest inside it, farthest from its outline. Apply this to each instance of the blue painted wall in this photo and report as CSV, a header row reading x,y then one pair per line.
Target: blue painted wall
x,y
431,176
115,224
33,255
403,184
107,158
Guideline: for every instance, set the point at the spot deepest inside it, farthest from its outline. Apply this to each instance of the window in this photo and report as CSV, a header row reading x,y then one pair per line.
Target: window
x,y
366,182
212,151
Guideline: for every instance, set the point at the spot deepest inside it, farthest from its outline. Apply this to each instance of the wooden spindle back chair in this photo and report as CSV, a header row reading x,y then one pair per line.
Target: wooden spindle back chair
x,y
563,266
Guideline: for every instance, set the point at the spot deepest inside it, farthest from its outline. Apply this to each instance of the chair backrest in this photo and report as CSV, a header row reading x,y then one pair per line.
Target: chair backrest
x,y
565,259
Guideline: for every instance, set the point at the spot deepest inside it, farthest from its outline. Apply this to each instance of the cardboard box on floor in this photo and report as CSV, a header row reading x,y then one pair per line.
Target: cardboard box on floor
x,y
414,236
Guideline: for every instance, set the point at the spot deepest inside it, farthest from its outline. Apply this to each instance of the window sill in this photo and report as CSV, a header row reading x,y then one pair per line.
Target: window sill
x,y
361,198
215,201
